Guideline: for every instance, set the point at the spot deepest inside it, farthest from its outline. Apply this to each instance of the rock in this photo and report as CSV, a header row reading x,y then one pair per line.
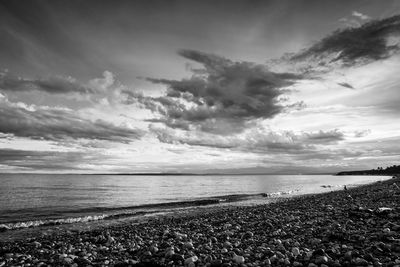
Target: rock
x,y
180,235
360,262
315,241
216,263
36,244
110,240
295,251
279,255
153,249
267,262
188,245
9,256
321,260
348,256
177,257
228,245
319,252
273,258
190,260
68,260
169,253
147,254
227,226
82,261
308,255
238,259
248,235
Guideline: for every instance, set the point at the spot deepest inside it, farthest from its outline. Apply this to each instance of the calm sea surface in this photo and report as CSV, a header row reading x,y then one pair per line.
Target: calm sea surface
x,y
35,199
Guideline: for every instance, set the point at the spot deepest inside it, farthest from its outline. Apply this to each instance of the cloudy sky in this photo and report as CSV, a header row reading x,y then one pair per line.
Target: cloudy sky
x,y
199,86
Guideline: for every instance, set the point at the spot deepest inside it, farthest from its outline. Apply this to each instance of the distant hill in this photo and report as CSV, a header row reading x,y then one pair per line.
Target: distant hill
x,y
392,170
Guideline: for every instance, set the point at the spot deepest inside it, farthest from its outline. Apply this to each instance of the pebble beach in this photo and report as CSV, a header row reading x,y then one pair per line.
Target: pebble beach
x,y
355,227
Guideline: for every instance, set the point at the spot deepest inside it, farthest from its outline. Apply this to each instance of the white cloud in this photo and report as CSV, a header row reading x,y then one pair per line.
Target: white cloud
x,y
360,15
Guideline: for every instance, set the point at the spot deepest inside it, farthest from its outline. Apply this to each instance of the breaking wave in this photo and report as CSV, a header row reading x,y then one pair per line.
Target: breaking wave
x,y
106,213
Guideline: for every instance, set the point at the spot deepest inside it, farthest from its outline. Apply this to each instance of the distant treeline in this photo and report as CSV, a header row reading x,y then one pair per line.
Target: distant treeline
x,y
391,170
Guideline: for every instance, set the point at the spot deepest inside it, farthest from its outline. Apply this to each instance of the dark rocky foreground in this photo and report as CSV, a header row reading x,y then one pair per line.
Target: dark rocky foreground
x,y
357,227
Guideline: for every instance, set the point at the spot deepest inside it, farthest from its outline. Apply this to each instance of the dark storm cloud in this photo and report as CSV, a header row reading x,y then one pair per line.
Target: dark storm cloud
x,y
366,43
58,124
52,85
222,91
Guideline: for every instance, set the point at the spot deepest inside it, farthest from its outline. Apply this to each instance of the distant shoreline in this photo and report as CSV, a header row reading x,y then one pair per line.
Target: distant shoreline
x,y
168,174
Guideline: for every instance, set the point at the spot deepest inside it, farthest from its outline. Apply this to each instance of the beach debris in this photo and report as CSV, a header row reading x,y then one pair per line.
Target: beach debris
x,y
384,209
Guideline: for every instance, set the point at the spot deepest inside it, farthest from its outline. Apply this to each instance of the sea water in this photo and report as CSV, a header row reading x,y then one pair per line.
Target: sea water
x,y
28,200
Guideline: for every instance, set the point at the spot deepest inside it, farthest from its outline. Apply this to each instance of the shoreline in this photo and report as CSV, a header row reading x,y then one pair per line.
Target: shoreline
x,y
100,214
14,220
357,227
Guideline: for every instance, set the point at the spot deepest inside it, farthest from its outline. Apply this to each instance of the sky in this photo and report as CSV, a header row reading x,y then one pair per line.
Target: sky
x,y
199,86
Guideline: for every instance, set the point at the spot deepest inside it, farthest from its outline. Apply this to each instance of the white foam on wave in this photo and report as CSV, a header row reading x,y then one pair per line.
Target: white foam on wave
x,y
88,218
35,223
281,193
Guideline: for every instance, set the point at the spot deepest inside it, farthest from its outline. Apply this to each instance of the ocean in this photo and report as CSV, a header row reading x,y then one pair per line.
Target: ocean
x,y
29,200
